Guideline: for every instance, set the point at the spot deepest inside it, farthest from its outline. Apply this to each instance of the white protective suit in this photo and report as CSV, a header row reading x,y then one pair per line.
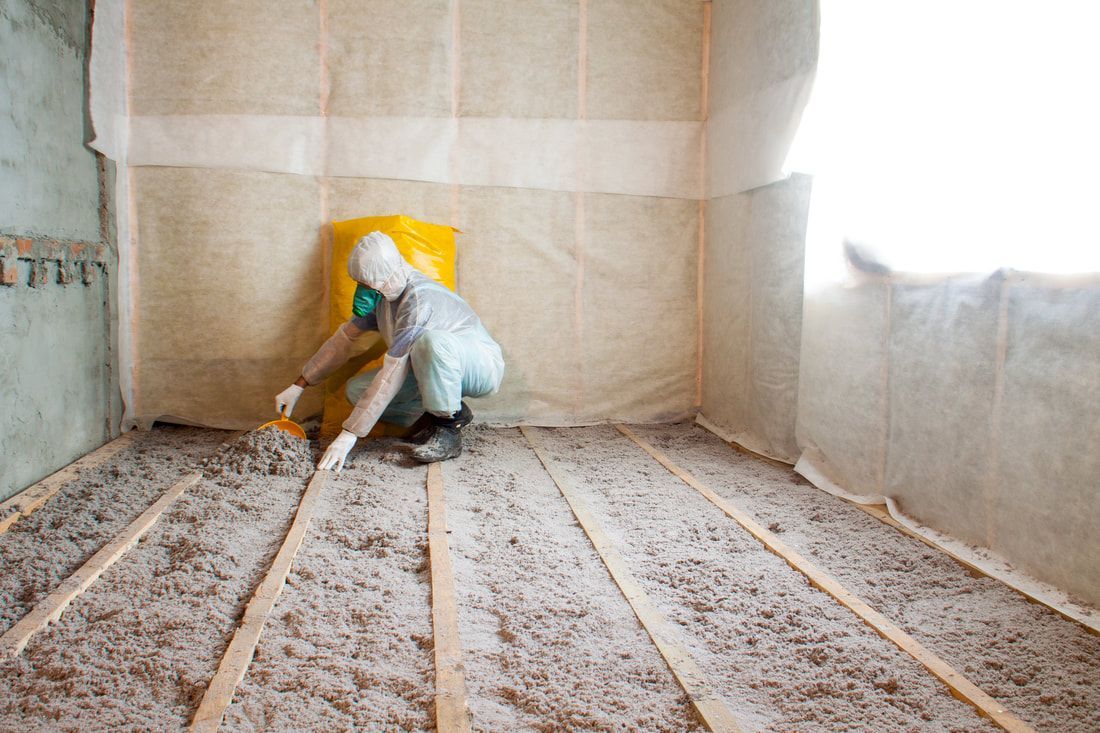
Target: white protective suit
x,y
438,349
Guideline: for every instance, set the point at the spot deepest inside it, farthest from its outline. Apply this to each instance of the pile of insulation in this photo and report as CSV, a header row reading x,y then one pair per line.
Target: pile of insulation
x,y
262,452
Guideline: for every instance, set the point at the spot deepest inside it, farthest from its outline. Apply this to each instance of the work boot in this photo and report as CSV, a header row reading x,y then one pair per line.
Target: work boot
x,y
423,428
445,442
460,419
423,434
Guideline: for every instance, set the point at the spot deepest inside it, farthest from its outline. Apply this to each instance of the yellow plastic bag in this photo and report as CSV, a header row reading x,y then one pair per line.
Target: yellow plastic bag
x,y
430,248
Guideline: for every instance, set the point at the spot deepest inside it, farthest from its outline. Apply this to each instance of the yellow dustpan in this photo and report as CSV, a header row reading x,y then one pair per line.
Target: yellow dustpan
x,y
286,425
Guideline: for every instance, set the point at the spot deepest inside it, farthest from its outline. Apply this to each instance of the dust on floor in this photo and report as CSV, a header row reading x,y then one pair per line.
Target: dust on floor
x,y
549,642
268,452
349,643
1043,668
42,549
136,651
784,655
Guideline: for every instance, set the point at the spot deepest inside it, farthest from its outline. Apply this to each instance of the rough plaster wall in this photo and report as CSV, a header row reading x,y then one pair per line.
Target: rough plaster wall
x,y
48,184
585,292
55,343
54,362
752,292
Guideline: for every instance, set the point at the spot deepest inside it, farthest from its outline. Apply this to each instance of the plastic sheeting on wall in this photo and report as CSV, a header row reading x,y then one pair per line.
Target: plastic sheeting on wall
x,y
565,168
568,361
230,294
109,112
752,315
967,404
642,158
970,404
762,64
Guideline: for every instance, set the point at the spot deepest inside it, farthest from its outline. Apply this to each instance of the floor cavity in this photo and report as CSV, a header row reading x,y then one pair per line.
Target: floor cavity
x,y
1041,667
549,641
350,642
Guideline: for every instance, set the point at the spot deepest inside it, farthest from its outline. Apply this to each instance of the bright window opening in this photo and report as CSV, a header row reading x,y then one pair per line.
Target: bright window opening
x,y
950,136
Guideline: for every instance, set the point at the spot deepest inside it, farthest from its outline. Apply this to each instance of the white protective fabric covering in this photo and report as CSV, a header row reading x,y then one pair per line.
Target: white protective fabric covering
x,y
574,174
970,402
642,158
109,113
757,95
333,354
762,64
966,403
381,391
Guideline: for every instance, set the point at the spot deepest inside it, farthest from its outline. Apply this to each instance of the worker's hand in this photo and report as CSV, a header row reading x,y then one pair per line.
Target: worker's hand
x,y
337,452
287,399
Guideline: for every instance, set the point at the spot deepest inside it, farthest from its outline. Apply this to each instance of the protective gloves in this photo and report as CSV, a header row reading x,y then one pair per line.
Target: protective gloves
x,y
287,399
337,452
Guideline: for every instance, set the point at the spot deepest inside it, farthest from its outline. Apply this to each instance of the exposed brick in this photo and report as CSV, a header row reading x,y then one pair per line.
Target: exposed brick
x,y
100,253
24,247
9,271
88,272
75,248
64,272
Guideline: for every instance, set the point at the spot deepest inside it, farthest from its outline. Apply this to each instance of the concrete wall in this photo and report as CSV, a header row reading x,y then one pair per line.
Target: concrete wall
x,y
55,344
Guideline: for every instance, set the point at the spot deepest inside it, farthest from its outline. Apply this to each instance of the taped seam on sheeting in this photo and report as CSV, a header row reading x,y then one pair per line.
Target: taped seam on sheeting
x,y
640,158
748,140
814,468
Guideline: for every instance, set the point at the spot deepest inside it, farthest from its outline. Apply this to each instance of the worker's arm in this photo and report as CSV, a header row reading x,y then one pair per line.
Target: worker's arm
x,y
330,357
335,351
383,388
368,409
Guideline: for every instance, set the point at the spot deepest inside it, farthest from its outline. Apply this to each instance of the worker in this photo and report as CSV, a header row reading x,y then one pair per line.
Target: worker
x,y
438,352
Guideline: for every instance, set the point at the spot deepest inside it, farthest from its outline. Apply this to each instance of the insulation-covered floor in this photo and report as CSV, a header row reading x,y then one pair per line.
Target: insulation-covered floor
x,y
549,641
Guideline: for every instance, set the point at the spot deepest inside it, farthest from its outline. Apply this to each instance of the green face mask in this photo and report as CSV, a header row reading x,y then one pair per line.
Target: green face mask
x,y
365,300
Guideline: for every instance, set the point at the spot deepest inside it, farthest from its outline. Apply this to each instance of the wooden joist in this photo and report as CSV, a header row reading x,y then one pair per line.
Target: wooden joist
x,y
238,656
959,685
1076,615
451,711
882,513
35,495
707,702
49,608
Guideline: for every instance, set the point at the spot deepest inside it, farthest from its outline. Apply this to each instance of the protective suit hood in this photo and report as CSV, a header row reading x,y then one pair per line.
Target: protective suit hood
x,y
376,263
